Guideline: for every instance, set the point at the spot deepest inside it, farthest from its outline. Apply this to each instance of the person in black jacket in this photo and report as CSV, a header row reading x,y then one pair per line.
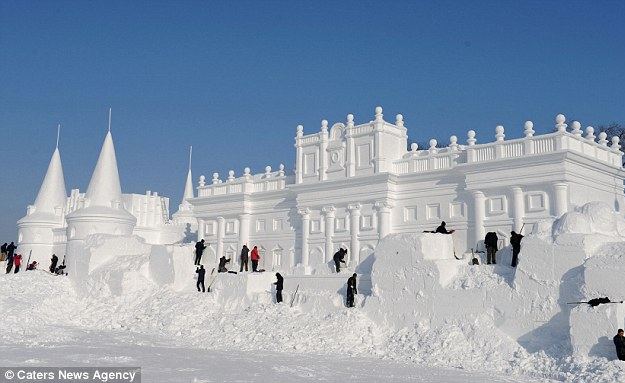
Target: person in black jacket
x,y
515,241
443,229
54,260
351,290
244,257
201,272
619,342
10,249
199,249
279,286
222,265
490,241
3,252
339,257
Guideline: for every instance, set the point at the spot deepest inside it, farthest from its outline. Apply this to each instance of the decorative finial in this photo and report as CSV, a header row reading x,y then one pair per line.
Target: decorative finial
x,y
433,144
110,111
471,137
560,125
324,126
281,173
590,133
215,178
603,139
615,143
231,175
529,129
499,133
414,147
246,172
577,128
202,181
453,143
267,171
300,130
378,114
399,120
350,119
58,135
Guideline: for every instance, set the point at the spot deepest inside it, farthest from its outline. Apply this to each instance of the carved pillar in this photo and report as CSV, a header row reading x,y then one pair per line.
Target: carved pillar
x,y
351,149
519,208
201,229
329,213
354,210
299,166
384,218
221,233
323,152
562,198
305,213
479,206
244,229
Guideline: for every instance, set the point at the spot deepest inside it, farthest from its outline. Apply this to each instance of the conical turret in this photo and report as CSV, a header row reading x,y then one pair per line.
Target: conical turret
x,y
103,211
184,215
36,229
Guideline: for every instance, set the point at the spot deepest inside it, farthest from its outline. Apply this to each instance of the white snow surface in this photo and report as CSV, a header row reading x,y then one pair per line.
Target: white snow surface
x,y
429,317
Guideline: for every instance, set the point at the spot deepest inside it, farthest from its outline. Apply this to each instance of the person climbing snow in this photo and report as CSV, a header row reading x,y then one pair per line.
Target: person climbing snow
x,y
201,272
279,286
515,241
619,342
443,229
244,258
199,249
351,290
222,265
339,257
54,260
32,266
255,257
490,241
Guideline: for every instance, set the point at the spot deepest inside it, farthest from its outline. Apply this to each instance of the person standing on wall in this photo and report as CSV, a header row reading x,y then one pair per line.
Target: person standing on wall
x,y
490,241
443,229
339,257
201,272
351,290
279,286
244,257
255,257
10,249
199,249
619,342
515,241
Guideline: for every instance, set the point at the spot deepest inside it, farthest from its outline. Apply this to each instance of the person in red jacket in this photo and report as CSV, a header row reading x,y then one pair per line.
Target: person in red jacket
x,y
17,261
255,257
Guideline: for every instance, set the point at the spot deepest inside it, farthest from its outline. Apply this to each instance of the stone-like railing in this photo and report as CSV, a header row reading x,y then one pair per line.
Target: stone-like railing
x,y
445,158
246,184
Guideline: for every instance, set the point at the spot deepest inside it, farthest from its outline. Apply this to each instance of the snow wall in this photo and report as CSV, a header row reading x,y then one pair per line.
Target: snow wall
x,y
417,285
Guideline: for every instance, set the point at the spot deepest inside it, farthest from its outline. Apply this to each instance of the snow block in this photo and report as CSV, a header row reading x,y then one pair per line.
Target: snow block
x,y
590,329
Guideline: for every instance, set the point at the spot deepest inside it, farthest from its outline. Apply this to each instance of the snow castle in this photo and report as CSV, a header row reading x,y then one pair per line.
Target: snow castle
x,y
352,185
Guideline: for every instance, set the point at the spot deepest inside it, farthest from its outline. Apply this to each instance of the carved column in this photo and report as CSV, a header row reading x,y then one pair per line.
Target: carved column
x,y
221,233
519,208
562,198
305,213
479,206
329,212
384,218
354,210
201,229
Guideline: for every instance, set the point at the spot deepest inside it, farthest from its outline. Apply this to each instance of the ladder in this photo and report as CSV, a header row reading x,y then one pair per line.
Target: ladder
x,y
164,211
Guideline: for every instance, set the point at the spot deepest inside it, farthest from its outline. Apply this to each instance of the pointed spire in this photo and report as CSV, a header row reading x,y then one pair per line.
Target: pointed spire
x,y
188,188
52,193
104,186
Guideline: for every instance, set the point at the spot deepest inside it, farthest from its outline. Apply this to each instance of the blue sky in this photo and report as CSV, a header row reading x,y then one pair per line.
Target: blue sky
x,y
235,78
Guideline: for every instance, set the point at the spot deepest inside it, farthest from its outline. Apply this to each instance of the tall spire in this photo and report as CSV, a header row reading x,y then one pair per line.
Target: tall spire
x,y
104,186
188,188
52,193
